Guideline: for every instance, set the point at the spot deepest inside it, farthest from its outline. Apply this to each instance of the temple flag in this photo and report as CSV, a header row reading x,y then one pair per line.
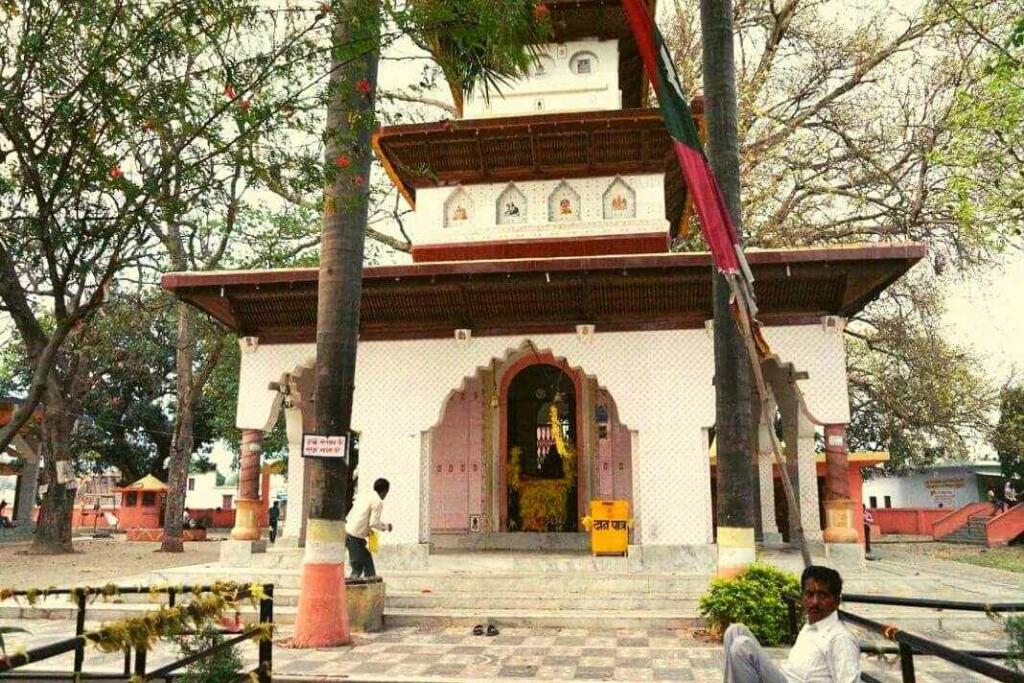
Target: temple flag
x,y
715,223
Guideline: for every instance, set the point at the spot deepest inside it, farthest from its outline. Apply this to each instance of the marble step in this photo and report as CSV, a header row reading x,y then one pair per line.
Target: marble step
x,y
579,602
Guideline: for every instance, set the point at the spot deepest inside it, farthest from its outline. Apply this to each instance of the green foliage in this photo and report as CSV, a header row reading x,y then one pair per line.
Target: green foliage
x,y
912,393
1008,438
477,43
754,598
1015,630
222,667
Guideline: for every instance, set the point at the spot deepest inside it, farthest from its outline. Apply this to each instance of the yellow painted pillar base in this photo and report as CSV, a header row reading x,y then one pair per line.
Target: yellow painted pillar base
x,y
247,514
736,550
839,521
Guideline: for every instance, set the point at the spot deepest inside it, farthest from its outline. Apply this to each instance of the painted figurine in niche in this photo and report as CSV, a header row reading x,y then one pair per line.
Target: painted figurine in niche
x,y
565,207
511,210
619,203
460,214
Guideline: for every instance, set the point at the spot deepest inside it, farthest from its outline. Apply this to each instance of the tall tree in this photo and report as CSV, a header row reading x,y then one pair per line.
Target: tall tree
x,y
123,126
735,503
496,53
845,135
1008,438
322,618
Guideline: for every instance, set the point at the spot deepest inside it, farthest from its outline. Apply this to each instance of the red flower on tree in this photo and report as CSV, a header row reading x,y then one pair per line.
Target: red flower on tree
x,y
342,161
245,104
359,180
363,86
541,12
115,172
229,92
322,10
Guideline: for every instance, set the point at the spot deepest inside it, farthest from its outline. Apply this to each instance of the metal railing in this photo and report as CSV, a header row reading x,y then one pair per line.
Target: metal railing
x,y
908,644
135,667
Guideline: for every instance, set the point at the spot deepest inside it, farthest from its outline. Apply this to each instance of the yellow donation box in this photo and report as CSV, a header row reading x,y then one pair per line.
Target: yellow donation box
x,y
608,525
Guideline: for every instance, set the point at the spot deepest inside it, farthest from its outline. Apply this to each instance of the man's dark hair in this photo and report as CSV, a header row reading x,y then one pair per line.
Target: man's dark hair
x,y
826,576
381,486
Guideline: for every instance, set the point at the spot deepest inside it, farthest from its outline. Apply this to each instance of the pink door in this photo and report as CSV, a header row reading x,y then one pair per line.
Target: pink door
x,y
457,477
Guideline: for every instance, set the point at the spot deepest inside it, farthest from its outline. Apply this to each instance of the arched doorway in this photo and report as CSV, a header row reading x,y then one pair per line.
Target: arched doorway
x,y
541,451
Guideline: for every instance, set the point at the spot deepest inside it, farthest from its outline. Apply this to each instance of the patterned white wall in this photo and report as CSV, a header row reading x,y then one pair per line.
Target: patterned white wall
x,y
556,86
661,382
433,226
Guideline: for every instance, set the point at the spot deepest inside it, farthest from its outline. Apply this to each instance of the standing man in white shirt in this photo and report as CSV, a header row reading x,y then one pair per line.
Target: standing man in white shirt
x,y
824,652
365,515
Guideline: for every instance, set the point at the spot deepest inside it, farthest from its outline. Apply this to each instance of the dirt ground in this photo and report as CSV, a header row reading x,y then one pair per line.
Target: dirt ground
x,y
95,562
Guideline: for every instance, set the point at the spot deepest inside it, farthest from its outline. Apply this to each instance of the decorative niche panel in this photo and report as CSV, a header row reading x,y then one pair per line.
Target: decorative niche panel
x,y
619,201
583,63
564,204
458,209
511,208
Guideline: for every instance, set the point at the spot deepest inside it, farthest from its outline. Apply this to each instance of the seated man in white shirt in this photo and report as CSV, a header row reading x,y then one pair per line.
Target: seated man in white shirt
x,y
824,652
365,515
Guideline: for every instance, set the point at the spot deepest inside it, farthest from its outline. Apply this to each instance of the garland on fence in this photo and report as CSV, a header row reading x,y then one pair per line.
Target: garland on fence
x,y
141,632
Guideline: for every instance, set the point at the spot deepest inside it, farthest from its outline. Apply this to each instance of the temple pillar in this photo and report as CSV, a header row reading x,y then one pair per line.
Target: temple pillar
x,y
807,479
247,508
765,474
839,507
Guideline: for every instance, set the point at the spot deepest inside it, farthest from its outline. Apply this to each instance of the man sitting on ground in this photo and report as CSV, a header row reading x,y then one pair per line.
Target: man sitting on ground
x,y
824,652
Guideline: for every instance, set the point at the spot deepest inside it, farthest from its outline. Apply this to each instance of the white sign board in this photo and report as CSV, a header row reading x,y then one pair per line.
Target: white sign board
x,y
316,446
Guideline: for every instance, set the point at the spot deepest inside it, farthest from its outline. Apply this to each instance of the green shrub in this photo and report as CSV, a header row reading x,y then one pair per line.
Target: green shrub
x,y
754,598
221,667
1015,629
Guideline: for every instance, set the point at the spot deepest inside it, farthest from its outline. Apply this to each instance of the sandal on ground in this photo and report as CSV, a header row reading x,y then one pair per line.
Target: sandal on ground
x,y
492,630
478,630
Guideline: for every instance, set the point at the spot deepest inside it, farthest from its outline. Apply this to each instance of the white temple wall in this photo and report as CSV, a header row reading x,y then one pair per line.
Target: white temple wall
x,y
558,84
661,382
434,223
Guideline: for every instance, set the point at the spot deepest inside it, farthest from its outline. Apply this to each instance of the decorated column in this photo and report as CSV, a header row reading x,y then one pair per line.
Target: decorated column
x,y
839,507
247,507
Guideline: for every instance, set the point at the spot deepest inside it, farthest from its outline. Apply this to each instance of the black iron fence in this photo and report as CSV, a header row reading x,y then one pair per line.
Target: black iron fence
x,y
135,663
908,644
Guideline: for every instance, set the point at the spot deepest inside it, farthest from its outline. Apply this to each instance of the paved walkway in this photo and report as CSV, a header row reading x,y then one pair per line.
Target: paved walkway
x,y
406,655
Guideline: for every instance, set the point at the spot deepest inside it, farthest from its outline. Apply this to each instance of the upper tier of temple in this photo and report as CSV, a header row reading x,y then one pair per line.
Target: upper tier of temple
x,y
566,161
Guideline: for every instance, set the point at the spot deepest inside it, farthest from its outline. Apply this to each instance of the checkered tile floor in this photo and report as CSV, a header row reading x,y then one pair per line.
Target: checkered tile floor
x,y
407,655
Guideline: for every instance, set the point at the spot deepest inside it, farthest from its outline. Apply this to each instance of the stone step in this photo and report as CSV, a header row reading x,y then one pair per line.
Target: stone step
x,y
541,618
539,583
580,602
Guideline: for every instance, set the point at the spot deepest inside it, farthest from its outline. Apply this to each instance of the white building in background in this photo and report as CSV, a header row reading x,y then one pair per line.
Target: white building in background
x,y
212,490
939,486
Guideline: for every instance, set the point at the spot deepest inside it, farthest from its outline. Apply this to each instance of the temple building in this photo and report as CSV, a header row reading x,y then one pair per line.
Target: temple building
x,y
545,347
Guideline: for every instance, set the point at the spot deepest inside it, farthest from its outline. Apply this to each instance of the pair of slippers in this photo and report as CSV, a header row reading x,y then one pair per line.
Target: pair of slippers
x,y
479,630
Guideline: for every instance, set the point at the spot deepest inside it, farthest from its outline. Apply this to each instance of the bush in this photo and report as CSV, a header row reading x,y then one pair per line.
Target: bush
x,y
1015,629
222,667
754,598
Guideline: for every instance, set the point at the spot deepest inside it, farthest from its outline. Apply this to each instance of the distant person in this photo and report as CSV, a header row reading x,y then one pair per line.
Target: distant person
x,y
273,516
824,652
4,522
186,519
868,521
365,516
1009,494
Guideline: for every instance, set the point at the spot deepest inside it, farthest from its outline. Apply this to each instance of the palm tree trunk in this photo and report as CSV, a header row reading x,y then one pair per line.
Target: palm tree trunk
x,y
322,619
732,370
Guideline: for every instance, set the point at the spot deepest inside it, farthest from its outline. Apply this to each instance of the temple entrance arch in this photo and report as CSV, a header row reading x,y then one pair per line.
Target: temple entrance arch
x,y
468,501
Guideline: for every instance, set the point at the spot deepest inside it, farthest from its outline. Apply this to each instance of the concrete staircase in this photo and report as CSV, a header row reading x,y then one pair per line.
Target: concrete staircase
x,y
973,532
